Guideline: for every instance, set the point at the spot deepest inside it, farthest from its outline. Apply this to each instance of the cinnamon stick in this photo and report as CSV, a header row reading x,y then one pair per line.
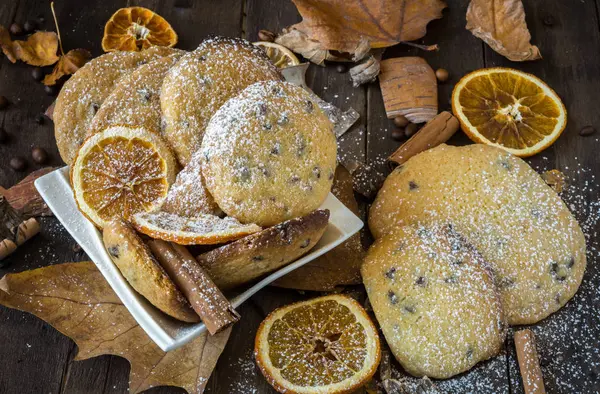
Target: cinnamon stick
x,y
437,131
206,299
25,231
531,373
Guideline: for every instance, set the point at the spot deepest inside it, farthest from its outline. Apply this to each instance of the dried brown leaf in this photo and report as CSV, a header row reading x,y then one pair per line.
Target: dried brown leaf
x,y
344,25
25,198
67,64
39,49
501,24
76,300
340,266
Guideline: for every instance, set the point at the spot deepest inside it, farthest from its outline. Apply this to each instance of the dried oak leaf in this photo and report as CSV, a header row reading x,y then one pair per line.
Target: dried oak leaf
x,y
501,24
340,266
76,300
39,49
67,64
344,25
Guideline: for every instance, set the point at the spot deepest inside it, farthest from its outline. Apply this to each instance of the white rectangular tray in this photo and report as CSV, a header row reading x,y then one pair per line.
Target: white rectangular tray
x,y
168,333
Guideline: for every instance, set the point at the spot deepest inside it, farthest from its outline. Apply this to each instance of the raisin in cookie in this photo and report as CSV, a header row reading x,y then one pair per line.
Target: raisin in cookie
x,y
84,93
202,81
504,208
143,272
435,300
135,101
269,154
258,254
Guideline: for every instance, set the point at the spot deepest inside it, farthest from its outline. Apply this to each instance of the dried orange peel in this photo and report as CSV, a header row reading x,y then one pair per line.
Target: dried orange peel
x,y
324,345
122,171
279,55
509,109
135,29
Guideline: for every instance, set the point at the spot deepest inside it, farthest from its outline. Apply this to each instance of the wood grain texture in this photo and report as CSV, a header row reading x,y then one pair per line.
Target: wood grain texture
x,y
38,359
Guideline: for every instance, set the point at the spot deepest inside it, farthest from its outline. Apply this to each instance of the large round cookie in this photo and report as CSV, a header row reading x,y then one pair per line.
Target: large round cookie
x,y
435,300
135,100
84,93
202,81
269,154
504,208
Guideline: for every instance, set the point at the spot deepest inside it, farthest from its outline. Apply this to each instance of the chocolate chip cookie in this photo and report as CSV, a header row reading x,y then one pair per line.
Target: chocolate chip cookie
x,y
504,208
269,154
202,81
435,300
84,93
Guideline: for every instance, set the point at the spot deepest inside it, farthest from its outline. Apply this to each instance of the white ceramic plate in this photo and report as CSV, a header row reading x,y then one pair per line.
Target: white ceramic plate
x,y
168,333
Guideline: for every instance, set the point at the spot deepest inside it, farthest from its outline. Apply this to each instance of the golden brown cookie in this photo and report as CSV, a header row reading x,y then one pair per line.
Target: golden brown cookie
x,y
269,154
435,300
135,100
84,93
202,81
143,272
251,257
505,209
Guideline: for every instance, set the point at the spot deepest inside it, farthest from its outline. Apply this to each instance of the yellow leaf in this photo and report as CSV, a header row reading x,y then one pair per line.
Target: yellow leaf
x,y
39,49
67,65
76,300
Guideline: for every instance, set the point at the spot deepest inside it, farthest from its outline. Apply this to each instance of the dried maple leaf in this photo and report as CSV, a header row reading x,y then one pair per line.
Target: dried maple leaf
x,y
76,300
344,25
501,24
67,64
38,50
340,266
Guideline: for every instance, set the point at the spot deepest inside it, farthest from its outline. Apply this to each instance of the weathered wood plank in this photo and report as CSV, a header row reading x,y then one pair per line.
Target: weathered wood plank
x,y
567,34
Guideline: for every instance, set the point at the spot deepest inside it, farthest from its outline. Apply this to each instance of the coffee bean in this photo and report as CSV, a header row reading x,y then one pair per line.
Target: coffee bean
x,y
3,102
51,90
16,29
587,130
40,119
39,155
398,135
401,121
341,68
266,35
410,130
18,163
3,136
442,74
29,26
37,74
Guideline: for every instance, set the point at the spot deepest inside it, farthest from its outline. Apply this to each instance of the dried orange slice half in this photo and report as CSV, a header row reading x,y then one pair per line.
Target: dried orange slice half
x,y
324,345
137,28
509,109
122,171
200,230
279,55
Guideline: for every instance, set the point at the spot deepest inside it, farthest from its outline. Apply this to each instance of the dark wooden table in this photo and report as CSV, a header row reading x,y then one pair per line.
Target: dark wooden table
x,y
36,358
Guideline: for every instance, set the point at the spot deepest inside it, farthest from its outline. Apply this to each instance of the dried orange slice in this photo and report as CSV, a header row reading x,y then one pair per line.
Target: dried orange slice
x,y
279,55
137,28
325,345
122,171
509,109
199,230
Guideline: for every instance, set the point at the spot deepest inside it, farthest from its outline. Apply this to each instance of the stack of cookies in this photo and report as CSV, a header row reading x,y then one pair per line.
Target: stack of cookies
x,y
468,239
209,147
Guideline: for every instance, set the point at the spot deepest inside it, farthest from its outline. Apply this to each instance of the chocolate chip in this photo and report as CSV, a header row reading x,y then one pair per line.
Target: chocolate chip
x,y
145,93
330,176
262,109
392,297
537,213
469,353
295,179
267,126
451,279
317,172
505,164
305,243
421,281
309,106
571,263
410,308
506,282
283,119
390,273
95,108
114,251
412,185
276,149
257,258
558,274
